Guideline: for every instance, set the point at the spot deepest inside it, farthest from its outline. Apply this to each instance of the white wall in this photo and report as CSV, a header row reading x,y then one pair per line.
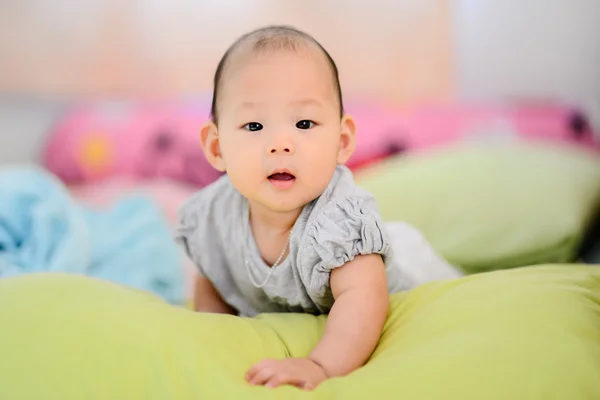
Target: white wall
x,y
534,48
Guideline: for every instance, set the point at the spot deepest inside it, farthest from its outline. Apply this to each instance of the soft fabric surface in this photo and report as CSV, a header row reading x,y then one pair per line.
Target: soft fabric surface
x,y
43,229
384,131
417,261
168,194
531,333
491,207
96,140
430,125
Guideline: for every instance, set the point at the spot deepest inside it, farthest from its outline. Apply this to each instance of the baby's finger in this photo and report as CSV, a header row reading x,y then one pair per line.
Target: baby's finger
x,y
251,372
256,368
277,380
282,378
261,376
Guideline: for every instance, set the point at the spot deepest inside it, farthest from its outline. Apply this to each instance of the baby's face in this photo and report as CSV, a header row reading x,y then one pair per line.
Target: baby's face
x,y
279,127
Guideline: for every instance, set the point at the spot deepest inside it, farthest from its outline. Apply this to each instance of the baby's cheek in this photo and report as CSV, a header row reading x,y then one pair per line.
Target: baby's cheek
x,y
324,155
237,150
244,167
320,169
243,164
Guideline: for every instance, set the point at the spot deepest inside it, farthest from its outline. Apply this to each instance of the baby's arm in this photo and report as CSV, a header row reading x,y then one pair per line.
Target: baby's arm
x,y
353,329
207,299
357,317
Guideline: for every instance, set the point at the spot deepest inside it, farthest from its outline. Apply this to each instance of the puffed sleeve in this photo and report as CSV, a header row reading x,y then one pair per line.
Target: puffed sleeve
x,y
340,232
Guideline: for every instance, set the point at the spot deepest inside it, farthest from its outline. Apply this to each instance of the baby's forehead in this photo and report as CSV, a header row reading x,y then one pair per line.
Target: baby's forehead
x,y
248,62
248,52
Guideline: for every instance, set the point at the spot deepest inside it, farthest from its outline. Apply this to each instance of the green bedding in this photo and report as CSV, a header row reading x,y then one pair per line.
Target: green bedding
x,y
527,333
487,208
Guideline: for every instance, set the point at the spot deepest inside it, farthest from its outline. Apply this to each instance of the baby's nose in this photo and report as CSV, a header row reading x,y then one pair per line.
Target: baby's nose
x,y
277,149
280,144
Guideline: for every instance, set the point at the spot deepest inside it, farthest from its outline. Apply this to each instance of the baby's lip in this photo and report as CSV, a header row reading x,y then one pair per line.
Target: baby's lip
x,y
281,174
282,179
281,171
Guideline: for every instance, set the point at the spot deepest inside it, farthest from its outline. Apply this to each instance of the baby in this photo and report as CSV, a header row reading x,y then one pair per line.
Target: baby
x,y
286,229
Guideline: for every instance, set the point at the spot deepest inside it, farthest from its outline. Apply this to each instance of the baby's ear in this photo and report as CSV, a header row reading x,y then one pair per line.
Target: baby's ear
x,y
209,137
347,139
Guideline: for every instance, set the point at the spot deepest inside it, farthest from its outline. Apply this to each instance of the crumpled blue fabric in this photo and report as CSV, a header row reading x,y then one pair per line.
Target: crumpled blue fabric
x,y
42,228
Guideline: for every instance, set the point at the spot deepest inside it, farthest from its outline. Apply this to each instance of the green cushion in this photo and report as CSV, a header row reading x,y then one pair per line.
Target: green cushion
x,y
530,333
486,208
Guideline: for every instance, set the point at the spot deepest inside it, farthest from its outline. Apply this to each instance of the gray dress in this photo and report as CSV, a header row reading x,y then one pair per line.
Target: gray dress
x,y
331,230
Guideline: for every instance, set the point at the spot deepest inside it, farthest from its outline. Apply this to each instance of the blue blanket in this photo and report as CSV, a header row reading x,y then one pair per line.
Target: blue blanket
x,y
43,229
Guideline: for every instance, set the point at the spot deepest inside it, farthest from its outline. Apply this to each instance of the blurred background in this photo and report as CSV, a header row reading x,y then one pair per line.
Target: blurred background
x,y
399,51
107,96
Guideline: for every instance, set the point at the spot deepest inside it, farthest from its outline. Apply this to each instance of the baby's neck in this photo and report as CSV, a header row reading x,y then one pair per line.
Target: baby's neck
x,y
276,222
271,231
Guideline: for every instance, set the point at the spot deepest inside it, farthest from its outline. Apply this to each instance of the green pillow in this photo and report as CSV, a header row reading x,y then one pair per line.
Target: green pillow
x,y
528,333
486,208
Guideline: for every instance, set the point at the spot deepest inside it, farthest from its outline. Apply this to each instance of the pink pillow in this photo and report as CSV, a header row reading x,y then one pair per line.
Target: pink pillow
x,y
384,131
145,140
380,132
434,125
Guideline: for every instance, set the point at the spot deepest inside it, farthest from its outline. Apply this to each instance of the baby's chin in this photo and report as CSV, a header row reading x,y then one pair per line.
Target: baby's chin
x,y
282,207
281,200
283,203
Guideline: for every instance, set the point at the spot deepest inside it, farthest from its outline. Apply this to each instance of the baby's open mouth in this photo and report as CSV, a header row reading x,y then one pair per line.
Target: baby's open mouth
x,y
282,180
281,176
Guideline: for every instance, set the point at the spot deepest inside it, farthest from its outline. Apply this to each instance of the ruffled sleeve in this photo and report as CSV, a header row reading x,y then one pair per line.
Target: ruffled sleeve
x,y
338,233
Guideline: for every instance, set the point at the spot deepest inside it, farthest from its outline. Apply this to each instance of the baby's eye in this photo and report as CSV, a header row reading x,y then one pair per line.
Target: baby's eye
x,y
253,126
305,124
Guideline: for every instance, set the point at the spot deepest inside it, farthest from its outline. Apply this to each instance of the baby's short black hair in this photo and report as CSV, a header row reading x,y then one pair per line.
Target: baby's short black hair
x,y
272,38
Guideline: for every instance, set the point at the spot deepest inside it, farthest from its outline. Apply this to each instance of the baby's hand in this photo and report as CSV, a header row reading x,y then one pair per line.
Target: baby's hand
x,y
300,372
